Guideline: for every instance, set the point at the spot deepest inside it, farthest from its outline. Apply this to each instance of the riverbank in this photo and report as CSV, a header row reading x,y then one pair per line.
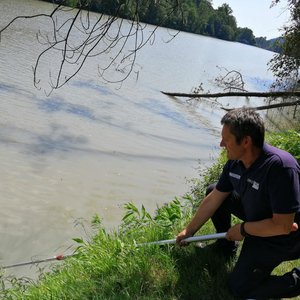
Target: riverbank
x,y
113,266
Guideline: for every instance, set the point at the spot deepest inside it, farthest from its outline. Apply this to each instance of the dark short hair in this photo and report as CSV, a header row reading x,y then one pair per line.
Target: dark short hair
x,y
244,122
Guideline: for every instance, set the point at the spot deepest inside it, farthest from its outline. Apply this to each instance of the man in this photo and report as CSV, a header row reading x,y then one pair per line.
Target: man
x,y
261,185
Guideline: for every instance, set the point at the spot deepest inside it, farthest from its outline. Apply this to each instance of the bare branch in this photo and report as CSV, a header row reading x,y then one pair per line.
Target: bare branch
x,y
231,81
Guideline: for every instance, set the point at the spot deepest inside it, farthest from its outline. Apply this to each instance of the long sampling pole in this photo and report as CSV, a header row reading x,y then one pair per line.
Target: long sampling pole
x,y
198,238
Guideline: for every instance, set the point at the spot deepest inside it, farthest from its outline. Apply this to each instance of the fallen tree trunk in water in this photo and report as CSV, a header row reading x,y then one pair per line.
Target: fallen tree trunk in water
x,y
235,94
245,94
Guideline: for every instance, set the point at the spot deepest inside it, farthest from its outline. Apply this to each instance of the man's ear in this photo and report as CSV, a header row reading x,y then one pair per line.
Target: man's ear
x,y
247,141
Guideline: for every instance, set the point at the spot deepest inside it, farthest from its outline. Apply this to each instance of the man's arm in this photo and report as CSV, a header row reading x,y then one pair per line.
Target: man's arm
x,y
277,225
205,211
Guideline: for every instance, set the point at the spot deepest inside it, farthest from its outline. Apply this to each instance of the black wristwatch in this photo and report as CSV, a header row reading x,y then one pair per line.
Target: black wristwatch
x,y
243,231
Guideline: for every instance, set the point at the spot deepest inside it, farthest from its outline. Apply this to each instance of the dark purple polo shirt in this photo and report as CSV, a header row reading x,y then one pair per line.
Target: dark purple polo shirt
x,y
270,185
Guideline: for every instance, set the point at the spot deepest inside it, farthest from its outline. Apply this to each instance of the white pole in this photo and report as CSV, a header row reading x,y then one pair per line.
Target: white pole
x,y
196,238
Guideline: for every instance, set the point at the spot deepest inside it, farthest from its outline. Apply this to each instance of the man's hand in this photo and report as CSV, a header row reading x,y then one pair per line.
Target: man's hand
x,y
181,236
234,233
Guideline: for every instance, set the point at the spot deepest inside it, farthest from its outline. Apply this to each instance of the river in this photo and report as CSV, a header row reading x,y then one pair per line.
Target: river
x,y
90,147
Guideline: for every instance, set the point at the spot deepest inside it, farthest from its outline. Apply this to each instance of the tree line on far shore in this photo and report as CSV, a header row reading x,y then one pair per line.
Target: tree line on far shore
x,y
195,16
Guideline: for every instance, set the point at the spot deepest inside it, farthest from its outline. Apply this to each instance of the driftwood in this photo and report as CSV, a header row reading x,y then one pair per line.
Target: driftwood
x,y
235,94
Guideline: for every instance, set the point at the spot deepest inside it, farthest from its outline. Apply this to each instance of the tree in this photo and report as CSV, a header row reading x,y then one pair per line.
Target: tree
x,y
205,10
246,36
226,23
285,66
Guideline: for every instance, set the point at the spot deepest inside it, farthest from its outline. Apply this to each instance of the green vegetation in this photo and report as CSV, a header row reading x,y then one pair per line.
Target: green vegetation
x,y
274,45
115,266
196,16
288,140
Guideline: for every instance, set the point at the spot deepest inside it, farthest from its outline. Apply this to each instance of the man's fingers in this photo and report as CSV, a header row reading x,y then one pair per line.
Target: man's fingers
x,y
180,241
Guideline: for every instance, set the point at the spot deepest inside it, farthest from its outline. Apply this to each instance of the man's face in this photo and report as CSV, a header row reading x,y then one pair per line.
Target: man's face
x,y
234,150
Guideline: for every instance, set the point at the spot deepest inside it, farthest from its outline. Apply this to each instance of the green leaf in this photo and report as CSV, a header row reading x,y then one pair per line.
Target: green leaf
x,y
78,240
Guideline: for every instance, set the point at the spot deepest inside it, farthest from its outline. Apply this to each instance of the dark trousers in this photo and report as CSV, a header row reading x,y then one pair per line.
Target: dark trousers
x,y
251,276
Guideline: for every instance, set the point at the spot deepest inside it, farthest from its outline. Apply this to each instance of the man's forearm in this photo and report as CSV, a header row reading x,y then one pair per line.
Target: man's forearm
x,y
277,225
206,210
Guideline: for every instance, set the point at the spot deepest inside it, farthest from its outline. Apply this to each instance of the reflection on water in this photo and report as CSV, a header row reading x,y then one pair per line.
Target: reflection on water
x,y
102,90
56,105
90,147
56,140
164,110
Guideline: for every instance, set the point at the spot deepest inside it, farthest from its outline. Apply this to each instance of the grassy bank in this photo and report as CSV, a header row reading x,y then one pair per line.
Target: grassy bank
x,y
113,265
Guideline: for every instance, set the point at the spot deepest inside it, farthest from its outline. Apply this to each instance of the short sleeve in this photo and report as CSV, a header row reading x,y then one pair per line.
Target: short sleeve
x,y
284,189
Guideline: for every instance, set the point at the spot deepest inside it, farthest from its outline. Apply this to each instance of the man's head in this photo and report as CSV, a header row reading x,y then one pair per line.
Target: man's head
x,y
244,122
242,133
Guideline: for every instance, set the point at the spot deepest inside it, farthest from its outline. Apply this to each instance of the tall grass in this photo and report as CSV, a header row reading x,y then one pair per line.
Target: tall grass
x,y
115,266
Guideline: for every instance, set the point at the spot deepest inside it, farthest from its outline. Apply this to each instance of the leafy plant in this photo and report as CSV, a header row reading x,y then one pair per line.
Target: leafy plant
x,y
288,141
170,213
135,218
